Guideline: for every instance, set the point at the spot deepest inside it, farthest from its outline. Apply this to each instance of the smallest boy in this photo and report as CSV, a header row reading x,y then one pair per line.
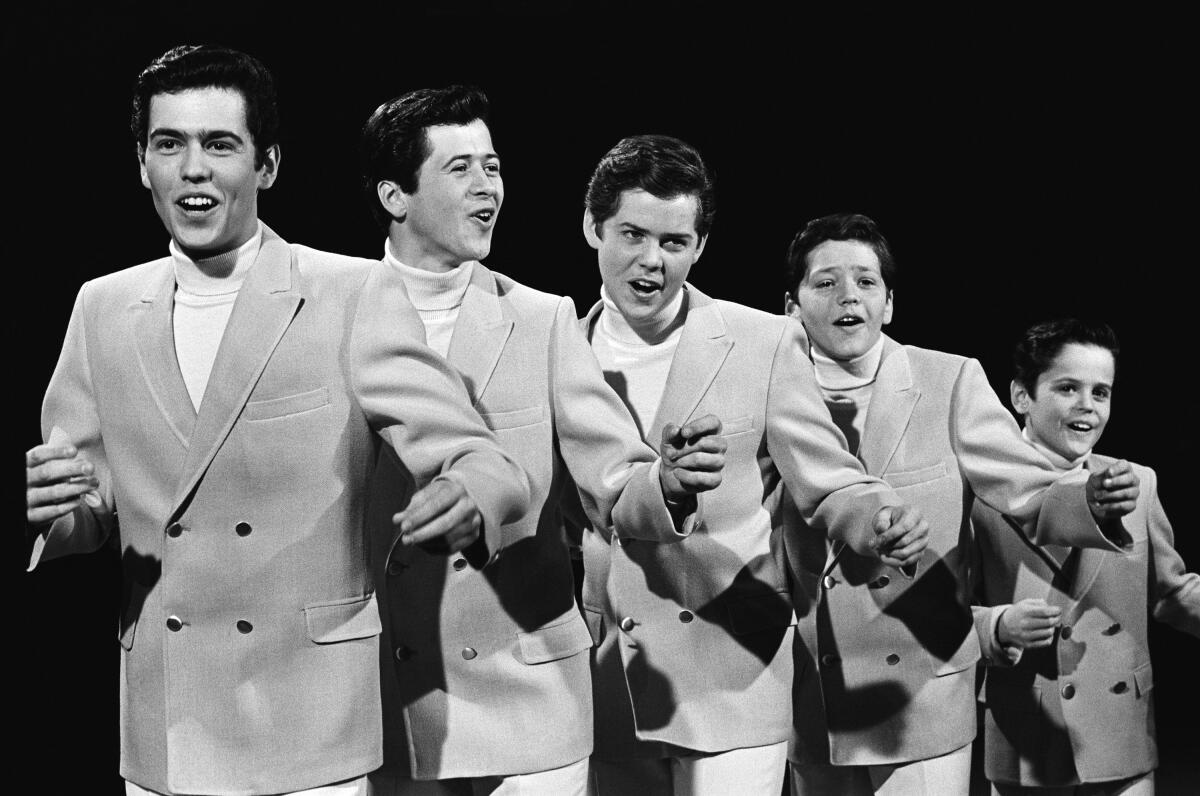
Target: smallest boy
x,y
1068,692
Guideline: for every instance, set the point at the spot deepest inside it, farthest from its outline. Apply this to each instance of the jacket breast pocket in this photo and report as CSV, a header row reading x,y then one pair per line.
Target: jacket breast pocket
x,y
553,642
915,477
288,405
594,618
342,620
738,425
515,418
133,610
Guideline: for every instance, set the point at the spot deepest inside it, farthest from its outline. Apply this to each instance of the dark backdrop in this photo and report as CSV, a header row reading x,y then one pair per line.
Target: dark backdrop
x,y
1023,168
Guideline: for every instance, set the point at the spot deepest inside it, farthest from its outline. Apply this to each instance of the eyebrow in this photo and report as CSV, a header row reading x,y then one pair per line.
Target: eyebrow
x,y
468,156
203,135
673,235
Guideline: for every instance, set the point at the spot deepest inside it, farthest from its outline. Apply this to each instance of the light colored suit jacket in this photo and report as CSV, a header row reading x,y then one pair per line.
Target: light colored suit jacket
x,y
885,672
694,637
1080,710
249,634
484,671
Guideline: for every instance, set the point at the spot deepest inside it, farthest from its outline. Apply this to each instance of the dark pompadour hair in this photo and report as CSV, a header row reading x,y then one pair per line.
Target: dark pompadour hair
x,y
840,226
1035,352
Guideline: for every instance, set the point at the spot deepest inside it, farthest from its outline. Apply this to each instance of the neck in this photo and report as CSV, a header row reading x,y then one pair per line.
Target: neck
x,y
415,254
651,330
845,374
1057,459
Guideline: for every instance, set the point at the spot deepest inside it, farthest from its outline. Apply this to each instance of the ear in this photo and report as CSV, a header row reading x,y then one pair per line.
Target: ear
x,y
591,230
1020,397
699,249
887,309
790,307
394,200
270,167
141,156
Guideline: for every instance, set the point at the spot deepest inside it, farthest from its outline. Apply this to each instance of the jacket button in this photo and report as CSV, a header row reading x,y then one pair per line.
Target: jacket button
x,y
174,530
1065,632
880,582
627,624
242,529
396,567
403,653
1068,691
830,660
460,563
174,624
243,626
686,616
468,653
1113,629
829,582
1120,688
892,659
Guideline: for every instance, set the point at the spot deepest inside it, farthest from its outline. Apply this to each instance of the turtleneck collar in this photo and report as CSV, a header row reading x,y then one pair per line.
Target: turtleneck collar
x,y
219,275
432,290
667,324
833,374
1060,462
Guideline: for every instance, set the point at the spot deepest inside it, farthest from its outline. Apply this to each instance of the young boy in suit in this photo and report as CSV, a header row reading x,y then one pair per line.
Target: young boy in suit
x,y
1068,699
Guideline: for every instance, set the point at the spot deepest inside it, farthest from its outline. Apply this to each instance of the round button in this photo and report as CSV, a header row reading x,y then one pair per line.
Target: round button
x,y
1065,632
830,581
174,624
1120,688
242,529
174,530
627,624
1113,629
403,653
1068,691
468,653
830,660
686,616
892,659
395,567
243,626
460,563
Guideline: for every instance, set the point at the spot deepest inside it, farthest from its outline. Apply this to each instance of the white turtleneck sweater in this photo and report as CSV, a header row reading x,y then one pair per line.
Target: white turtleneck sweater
x,y
436,295
205,291
847,388
1060,463
637,370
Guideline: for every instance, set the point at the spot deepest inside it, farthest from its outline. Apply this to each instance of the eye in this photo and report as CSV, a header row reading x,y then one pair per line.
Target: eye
x,y
1101,393
674,245
823,283
492,168
459,167
632,234
866,282
165,144
222,147
1066,389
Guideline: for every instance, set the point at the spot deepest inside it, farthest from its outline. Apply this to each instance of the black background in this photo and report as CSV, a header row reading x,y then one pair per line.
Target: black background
x,y
1023,167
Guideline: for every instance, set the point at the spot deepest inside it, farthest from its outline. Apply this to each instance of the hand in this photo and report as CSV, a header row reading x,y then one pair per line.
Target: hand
x,y
1112,493
1028,624
901,535
441,518
56,479
692,457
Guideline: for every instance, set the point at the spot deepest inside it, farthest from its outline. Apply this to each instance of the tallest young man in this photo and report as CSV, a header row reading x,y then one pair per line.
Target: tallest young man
x,y
226,399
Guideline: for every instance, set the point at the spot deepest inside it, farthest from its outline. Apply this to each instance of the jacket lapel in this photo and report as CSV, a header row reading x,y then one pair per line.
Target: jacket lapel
x,y
264,309
892,402
703,347
480,333
155,345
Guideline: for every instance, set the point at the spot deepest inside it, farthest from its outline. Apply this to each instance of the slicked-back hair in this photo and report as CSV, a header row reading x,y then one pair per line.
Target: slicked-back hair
x,y
658,164
839,226
1043,342
395,140
193,66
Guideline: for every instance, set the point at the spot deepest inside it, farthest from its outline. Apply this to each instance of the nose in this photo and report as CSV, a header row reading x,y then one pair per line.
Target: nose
x,y
1083,400
650,255
482,183
848,293
195,167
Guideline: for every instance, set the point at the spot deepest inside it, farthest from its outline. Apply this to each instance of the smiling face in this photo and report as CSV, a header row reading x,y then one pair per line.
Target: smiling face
x,y
448,220
199,164
646,249
1073,400
842,299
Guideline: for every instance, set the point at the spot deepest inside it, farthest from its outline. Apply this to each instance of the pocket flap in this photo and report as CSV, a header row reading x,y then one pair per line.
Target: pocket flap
x,y
913,477
751,613
595,624
513,419
287,405
555,641
1143,679
342,620
739,425
133,610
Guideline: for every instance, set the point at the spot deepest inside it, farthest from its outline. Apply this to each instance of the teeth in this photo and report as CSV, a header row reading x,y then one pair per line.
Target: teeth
x,y
196,201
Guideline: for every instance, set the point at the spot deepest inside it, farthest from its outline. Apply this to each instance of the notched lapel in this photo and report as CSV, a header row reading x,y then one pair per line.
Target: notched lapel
x,y
703,347
892,404
265,307
480,333
155,345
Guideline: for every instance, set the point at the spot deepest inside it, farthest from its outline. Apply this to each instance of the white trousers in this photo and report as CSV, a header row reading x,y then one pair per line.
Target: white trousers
x,y
947,775
753,771
570,780
352,787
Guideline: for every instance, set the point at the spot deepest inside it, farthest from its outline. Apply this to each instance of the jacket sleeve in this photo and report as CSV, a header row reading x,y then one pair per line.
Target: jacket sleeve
x,y
1011,476
827,483
419,405
69,414
615,470
1174,592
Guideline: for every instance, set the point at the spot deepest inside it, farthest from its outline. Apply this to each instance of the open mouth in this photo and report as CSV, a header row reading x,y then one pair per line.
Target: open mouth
x,y
196,203
848,321
644,287
484,216
1080,426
